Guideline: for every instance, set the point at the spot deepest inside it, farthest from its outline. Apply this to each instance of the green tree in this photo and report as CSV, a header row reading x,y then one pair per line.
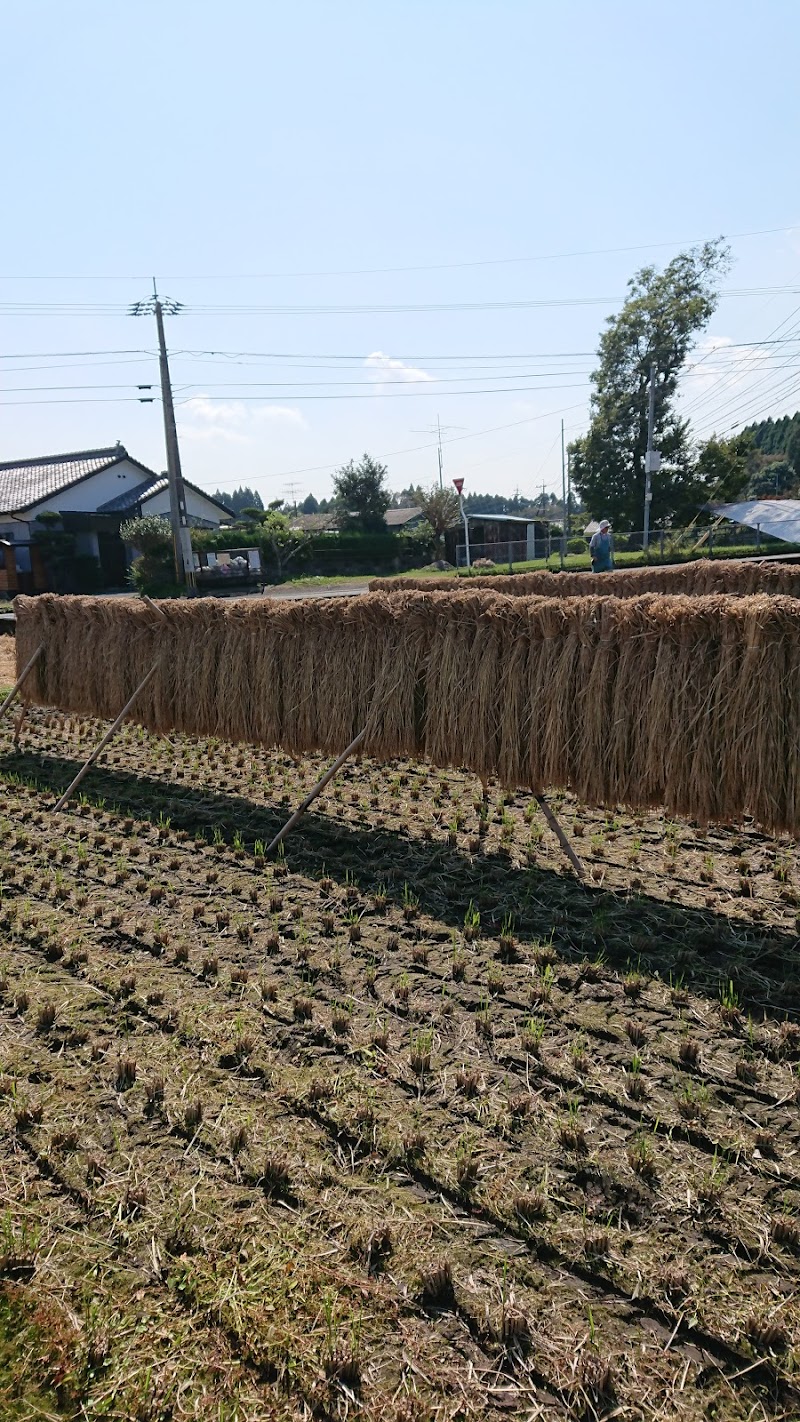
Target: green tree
x,y
442,511
361,494
239,499
724,467
663,313
793,451
309,505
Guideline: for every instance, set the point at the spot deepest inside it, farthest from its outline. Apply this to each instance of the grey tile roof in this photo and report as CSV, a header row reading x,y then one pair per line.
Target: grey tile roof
x,y
131,498
315,523
24,482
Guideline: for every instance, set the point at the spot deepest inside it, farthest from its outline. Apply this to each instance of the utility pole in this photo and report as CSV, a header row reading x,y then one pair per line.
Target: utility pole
x,y
568,514
459,483
564,501
181,537
437,430
652,459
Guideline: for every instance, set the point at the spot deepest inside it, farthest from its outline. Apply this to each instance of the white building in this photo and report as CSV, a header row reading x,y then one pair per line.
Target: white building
x,y
93,491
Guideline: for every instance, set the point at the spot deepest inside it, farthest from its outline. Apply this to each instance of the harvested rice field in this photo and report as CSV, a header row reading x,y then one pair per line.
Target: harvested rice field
x,y
408,1124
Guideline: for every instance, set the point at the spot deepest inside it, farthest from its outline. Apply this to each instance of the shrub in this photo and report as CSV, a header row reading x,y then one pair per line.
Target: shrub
x,y
153,572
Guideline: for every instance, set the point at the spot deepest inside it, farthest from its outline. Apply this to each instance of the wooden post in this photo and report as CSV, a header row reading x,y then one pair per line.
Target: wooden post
x,y
154,607
560,836
18,724
110,733
12,695
320,785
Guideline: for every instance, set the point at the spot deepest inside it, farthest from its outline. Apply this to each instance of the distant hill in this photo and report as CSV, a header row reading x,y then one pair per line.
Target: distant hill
x,y
773,436
773,461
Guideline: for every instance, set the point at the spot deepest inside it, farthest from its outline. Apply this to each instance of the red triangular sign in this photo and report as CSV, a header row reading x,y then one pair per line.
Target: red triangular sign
x,y
459,483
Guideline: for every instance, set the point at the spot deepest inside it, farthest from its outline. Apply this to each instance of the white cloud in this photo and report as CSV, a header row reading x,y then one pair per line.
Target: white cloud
x,y
384,370
229,420
267,413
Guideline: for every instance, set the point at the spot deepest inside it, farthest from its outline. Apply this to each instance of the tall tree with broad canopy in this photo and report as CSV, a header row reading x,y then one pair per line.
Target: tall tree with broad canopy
x,y
660,319
361,495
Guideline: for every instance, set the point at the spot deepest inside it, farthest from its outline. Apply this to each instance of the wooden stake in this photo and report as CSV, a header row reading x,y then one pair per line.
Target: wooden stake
x,y
154,606
320,785
110,733
560,836
19,721
12,695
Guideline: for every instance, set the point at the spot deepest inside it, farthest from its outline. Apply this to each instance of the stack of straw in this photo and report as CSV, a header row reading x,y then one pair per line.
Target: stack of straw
x,y
706,575
692,704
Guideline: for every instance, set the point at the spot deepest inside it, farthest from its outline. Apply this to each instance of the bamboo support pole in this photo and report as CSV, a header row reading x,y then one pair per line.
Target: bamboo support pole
x,y
560,836
312,795
12,695
110,733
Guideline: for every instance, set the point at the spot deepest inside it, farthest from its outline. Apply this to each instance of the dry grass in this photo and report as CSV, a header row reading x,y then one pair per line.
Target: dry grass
x,y
737,577
692,703
8,664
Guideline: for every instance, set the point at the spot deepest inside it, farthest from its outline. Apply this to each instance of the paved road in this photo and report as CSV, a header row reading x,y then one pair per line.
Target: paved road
x,y
290,594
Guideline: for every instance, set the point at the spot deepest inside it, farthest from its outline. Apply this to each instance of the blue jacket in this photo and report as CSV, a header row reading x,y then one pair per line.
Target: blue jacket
x,y
601,549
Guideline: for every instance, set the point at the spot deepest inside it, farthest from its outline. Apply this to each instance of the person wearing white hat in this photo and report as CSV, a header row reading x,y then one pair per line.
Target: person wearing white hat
x,y
601,548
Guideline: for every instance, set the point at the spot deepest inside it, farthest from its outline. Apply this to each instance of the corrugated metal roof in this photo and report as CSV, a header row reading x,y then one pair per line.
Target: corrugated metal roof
x,y
506,518
396,518
24,482
778,517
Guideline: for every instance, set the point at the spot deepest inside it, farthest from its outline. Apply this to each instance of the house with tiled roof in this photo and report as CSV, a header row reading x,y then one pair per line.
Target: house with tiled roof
x,y
92,491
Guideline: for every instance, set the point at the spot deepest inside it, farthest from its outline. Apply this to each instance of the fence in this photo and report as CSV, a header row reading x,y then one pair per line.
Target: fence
x,y
666,545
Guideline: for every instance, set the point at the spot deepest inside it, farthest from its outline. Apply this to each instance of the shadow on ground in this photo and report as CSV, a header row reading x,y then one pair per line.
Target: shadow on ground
x,y
701,949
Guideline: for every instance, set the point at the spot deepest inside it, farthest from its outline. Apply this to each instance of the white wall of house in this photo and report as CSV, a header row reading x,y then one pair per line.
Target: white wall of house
x,y
93,491
197,507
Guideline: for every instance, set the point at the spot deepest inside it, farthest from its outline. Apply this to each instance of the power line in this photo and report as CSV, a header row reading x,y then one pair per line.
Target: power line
x,y
375,392
359,357
439,266
538,303
413,449
725,381
44,355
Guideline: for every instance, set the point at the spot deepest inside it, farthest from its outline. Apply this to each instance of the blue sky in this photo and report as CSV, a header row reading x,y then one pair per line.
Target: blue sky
x,y
325,157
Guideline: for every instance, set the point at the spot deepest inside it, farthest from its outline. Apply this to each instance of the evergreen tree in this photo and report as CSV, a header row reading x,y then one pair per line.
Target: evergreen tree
x,y
240,499
362,495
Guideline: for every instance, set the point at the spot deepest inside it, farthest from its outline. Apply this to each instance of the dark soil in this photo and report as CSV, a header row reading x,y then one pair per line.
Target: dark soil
x,y
410,1123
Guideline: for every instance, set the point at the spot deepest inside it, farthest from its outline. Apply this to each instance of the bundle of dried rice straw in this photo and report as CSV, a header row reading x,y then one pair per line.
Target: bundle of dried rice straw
x,y
691,703
740,578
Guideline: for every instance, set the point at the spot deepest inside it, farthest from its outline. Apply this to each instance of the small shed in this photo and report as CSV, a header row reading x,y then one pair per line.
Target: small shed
x,y
504,538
